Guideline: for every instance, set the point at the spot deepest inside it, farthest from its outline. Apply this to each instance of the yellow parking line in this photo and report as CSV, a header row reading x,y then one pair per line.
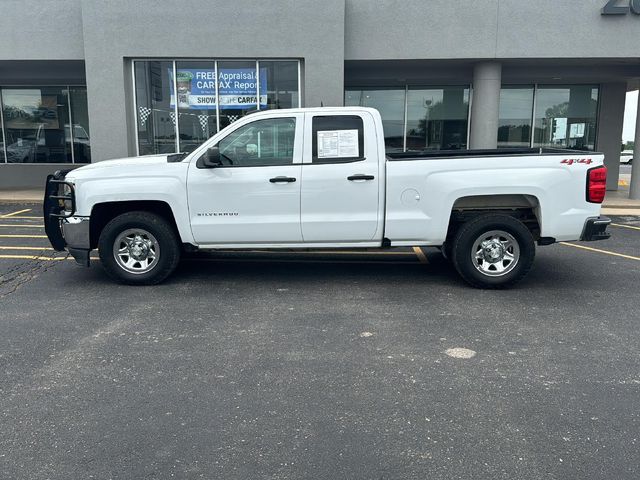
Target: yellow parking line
x,y
629,257
31,257
21,217
23,226
24,248
15,213
420,254
23,236
624,226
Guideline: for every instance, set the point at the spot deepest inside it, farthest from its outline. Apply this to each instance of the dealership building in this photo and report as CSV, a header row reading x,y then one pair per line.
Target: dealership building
x,y
86,80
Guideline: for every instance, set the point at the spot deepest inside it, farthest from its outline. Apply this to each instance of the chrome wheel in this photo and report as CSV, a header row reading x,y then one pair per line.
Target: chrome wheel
x,y
495,253
136,251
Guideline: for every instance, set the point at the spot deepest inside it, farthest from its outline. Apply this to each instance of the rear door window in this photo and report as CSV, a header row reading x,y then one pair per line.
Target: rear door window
x,y
337,138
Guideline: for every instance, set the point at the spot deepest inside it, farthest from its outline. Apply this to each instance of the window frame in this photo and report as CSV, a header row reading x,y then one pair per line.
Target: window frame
x,y
194,156
249,124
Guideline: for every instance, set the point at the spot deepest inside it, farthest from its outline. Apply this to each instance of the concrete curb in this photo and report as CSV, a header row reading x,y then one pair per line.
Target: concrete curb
x,y
630,211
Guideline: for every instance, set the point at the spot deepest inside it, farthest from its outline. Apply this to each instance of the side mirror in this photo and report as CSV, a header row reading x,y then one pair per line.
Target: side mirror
x,y
210,159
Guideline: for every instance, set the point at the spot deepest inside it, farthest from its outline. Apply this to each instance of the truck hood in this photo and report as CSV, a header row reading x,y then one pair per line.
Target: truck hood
x,y
121,167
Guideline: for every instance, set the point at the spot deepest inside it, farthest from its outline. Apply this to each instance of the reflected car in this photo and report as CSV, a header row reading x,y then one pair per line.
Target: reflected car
x,y
38,146
626,157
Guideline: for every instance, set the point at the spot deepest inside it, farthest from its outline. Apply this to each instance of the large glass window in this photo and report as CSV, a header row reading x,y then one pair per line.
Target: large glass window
x,y
280,80
79,132
516,111
390,104
209,95
566,117
197,105
2,157
156,117
238,91
260,143
437,118
36,125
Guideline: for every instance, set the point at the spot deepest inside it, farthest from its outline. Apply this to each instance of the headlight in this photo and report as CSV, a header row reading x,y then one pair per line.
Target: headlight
x,y
66,204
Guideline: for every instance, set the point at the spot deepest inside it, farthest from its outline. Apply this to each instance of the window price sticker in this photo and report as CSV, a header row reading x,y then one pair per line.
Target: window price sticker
x,y
338,144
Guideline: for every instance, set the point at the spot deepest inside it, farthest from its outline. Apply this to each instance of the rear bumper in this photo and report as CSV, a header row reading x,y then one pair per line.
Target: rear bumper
x,y
595,228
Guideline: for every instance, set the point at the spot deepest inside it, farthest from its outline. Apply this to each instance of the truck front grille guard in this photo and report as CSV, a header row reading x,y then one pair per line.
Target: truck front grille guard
x,y
54,207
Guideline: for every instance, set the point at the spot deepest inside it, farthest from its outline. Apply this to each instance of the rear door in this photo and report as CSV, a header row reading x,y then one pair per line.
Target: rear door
x,y
340,179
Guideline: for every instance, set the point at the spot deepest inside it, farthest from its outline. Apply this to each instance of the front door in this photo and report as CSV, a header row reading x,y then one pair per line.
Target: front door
x,y
341,180
254,196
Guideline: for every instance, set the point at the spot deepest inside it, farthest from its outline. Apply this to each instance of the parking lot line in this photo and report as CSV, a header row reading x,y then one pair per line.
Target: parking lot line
x,y
22,217
629,257
420,254
15,213
22,226
32,257
23,236
3,247
624,226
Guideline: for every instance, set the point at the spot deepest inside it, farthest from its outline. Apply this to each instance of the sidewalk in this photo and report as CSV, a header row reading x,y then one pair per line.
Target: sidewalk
x,y
22,196
618,202
615,203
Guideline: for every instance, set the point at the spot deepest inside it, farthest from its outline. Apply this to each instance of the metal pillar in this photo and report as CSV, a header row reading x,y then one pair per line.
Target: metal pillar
x,y
634,191
485,106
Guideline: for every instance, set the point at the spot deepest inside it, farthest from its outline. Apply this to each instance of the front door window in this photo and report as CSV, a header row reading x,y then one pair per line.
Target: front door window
x,y
260,143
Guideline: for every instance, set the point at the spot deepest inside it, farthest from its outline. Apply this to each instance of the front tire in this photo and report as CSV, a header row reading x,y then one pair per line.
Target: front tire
x,y
493,251
139,248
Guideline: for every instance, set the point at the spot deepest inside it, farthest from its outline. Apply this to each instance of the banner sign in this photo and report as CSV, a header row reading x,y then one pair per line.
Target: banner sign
x,y
237,88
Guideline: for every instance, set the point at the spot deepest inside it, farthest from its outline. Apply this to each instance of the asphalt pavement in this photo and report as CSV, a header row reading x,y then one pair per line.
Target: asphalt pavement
x,y
358,365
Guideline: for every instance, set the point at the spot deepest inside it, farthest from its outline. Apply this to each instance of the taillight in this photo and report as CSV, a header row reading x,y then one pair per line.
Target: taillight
x,y
596,184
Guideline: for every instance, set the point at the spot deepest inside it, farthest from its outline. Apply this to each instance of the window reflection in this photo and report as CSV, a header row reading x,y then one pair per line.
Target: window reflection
x,y
80,132
238,90
390,104
260,143
437,118
566,117
196,103
516,109
156,117
279,79
198,94
36,125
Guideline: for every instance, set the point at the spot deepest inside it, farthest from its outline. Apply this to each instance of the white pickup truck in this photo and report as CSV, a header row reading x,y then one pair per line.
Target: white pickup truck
x,y
319,178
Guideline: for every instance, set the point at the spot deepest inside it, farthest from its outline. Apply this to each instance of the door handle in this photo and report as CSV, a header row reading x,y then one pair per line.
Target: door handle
x,y
282,179
355,178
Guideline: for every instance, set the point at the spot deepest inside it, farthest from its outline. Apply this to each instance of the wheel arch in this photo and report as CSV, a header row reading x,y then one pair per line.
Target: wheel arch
x,y
523,207
103,213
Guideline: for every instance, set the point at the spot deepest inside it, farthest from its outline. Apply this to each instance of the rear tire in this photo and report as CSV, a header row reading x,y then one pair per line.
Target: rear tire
x,y
493,251
139,248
